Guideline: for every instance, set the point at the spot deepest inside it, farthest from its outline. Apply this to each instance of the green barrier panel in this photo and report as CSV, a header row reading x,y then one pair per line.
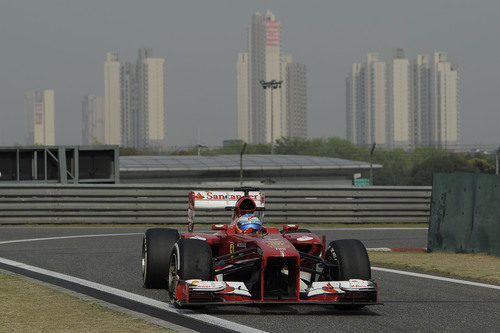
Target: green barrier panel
x,y
485,235
465,213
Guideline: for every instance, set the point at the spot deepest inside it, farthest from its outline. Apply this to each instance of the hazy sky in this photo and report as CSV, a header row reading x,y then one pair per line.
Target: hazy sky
x,y
62,44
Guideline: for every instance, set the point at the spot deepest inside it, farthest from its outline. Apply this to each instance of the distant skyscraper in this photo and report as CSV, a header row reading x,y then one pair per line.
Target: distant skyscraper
x,y
420,101
445,102
128,105
112,100
377,104
39,121
151,109
400,100
134,112
258,120
274,130
296,100
92,120
355,103
367,102
256,73
408,104
244,124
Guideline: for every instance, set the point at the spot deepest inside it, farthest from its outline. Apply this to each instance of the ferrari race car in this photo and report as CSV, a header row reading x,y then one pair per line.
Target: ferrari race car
x,y
246,263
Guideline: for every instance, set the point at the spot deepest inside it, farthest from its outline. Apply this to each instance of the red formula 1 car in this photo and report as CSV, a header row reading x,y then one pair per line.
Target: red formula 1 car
x,y
234,266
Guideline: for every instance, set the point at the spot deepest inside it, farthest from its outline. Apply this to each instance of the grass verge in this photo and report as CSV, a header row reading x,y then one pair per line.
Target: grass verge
x,y
28,307
473,266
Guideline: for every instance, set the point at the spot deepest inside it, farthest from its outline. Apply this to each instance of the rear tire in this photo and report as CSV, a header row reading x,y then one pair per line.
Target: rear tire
x,y
157,245
190,259
353,263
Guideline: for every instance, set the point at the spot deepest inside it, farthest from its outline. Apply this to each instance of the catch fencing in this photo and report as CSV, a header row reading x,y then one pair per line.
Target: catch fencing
x,y
167,204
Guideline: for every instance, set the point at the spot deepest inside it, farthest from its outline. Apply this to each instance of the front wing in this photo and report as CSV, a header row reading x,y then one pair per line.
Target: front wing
x,y
352,292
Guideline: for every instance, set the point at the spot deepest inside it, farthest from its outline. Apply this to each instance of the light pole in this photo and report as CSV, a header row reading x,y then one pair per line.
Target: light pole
x,y
199,148
241,162
273,84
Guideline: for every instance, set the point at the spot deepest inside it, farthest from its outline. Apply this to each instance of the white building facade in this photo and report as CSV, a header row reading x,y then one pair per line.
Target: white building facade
x,y
296,101
244,123
420,101
367,102
445,103
274,129
354,103
264,115
39,117
152,135
134,101
400,102
407,104
112,100
92,120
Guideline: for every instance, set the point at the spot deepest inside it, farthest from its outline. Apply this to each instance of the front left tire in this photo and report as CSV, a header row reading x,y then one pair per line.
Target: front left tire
x,y
157,245
190,259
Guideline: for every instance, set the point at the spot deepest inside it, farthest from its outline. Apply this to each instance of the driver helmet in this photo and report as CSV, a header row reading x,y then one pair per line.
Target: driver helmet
x,y
248,221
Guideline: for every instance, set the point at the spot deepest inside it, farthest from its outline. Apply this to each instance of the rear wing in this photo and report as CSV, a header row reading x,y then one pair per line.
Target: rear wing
x,y
207,200
215,200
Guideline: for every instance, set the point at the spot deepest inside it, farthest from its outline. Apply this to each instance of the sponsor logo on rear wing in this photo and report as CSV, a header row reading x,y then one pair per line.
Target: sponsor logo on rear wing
x,y
222,200
208,200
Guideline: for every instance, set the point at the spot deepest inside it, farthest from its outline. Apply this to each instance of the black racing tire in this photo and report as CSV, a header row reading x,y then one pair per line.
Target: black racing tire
x,y
189,259
306,231
353,263
157,245
352,259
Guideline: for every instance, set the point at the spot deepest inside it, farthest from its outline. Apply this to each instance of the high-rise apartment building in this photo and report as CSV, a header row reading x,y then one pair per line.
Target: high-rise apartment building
x,y
264,115
354,103
400,110
274,130
420,101
39,121
113,100
376,105
367,102
256,73
408,104
296,100
151,108
445,102
244,124
286,59
134,99
128,105
92,120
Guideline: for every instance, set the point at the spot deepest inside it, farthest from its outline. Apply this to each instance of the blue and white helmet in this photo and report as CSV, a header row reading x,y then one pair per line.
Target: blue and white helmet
x,y
248,221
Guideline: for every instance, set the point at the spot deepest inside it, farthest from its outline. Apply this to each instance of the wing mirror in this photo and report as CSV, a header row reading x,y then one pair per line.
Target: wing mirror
x,y
219,226
287,227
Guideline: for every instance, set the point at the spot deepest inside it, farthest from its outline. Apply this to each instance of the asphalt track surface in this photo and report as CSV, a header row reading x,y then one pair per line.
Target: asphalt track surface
x,y
411,303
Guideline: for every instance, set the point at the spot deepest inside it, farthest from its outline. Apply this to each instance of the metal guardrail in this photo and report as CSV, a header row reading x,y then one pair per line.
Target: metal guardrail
x,y
167,204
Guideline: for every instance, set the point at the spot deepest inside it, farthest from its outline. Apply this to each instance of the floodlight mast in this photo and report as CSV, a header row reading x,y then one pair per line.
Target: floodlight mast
x,y
273,84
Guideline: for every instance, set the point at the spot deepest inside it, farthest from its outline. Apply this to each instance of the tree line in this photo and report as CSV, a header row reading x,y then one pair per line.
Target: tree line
x,y
400,167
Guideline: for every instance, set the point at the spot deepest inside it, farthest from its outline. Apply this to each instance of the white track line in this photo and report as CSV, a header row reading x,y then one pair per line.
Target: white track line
x,y
433,277
367,229
137,298
66,237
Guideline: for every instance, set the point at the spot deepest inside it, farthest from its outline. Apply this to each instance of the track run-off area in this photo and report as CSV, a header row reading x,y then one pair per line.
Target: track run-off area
x,y
104,263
